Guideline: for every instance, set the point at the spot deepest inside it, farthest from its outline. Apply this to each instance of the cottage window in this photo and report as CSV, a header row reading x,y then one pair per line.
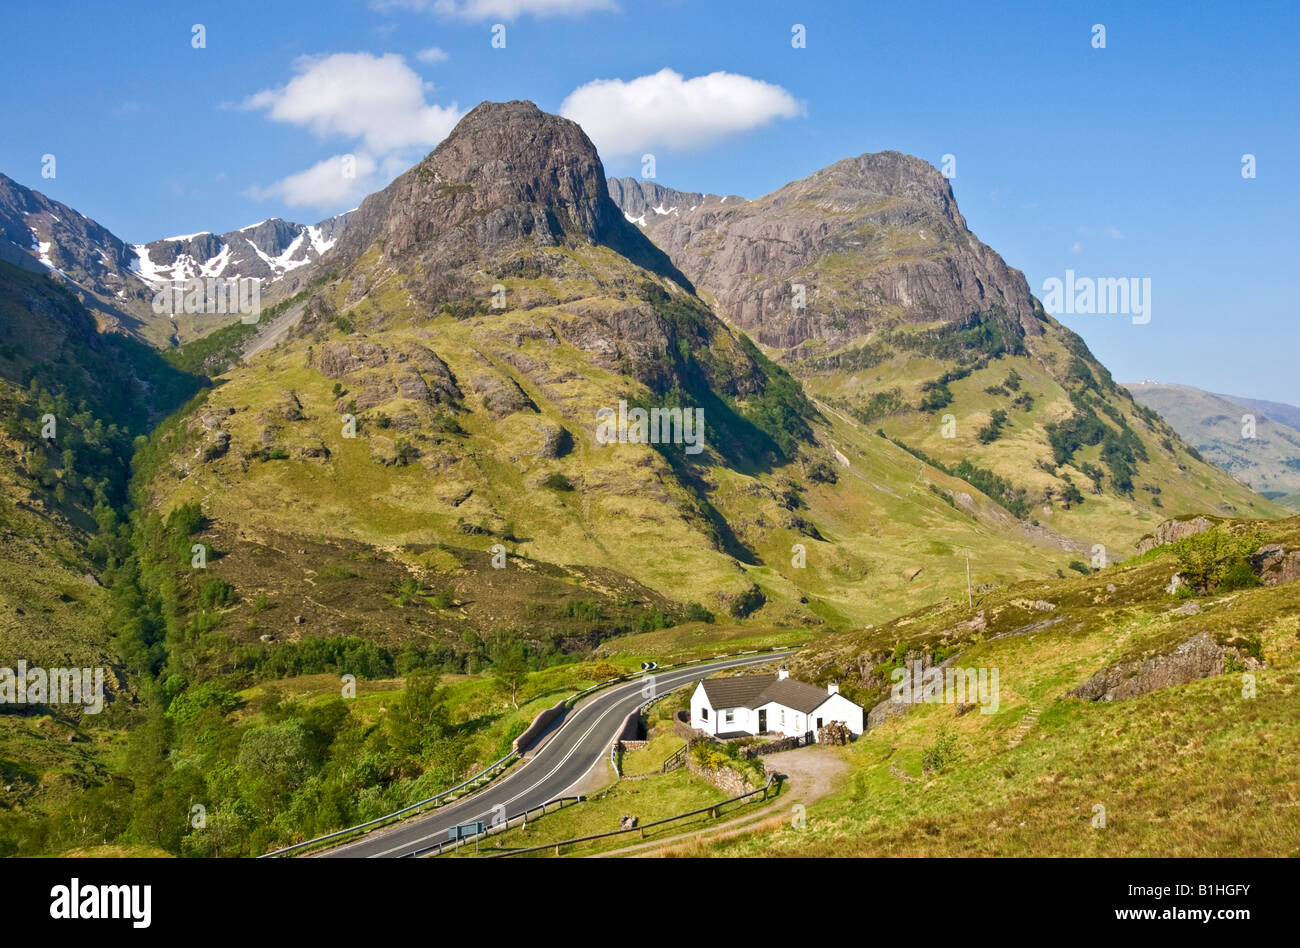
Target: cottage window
x,y
783,716
730,716
704,713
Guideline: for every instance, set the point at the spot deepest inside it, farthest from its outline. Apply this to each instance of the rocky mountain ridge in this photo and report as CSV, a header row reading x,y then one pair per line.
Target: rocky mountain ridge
x,y
117,281
1248,438
873,241
266,250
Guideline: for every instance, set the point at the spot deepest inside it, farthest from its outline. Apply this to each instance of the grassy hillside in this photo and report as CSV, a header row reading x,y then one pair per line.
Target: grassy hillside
x,y
1200,766
1036,422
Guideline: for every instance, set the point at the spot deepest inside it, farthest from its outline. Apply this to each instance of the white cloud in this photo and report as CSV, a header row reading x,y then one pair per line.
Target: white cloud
x,y
431,55
377,99
498,9
667,111
324,184
1114,233
1076,247
337,181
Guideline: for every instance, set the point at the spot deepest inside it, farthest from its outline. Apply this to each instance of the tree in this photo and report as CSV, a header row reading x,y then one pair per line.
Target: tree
x,y
421,719
1214,558
510,669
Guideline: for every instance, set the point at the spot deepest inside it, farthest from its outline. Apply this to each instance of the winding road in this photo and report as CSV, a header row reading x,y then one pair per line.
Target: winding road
x,y
581,743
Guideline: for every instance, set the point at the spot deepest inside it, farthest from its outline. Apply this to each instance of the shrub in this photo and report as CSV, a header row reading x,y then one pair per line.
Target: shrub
x,y
697,613
1215,558
941,753
406,451
216,592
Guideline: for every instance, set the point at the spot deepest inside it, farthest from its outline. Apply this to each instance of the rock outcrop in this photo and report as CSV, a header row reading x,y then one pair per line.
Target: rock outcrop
x,y
1199,657
1171,531
871,240
1276,564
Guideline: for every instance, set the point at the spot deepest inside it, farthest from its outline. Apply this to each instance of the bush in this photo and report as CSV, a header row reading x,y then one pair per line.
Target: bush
x,y
697,613
747,602
216,592
406,451
990,432
941,753
1216,559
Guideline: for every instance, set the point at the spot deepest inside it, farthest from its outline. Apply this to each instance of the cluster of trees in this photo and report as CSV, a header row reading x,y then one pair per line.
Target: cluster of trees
x,y
990,432
83,463
880,405
1217,560
997,488
981,338
1121,449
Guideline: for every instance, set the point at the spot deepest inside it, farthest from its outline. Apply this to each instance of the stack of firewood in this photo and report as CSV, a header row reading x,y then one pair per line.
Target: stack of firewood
x,y
837,732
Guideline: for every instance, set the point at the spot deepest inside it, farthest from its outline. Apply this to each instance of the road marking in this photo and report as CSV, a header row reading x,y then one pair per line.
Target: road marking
x,y
674,679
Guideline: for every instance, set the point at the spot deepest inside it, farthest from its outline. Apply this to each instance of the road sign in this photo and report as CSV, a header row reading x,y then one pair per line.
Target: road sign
x,y
647,666
464,831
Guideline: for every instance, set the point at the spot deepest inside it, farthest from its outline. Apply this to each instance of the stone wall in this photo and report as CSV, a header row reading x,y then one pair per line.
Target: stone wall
x,y
750,751
731,782
682,726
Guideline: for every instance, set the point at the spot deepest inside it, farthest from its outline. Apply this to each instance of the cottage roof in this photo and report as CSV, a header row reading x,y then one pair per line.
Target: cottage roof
x,y
798,695
754,691
738,691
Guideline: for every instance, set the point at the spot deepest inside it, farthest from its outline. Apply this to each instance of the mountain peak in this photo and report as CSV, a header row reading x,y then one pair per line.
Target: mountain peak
x,y
508,176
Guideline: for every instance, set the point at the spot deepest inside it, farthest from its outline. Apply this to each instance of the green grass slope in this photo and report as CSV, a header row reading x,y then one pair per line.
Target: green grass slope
x,y
1198,767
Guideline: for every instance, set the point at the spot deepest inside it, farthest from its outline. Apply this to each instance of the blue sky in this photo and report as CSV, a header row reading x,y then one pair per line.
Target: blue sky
x,y
1115,162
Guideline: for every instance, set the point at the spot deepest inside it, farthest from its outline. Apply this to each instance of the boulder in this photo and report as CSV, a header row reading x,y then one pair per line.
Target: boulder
x,y
1171,531
1276,564
1199,657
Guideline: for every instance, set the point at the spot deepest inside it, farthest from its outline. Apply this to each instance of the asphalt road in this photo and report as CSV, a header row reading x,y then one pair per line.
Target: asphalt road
x,y
581,743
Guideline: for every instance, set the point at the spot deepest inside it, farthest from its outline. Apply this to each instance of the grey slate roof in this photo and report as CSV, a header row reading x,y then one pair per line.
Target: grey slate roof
x,y
798,695
737,691
754,691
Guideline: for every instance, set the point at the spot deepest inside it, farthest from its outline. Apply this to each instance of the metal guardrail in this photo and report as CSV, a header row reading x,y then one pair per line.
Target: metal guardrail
x,y
398,814
492,769
453,845
712,810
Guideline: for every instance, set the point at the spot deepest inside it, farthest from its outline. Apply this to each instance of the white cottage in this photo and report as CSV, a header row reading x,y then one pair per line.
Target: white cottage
x,y
769,704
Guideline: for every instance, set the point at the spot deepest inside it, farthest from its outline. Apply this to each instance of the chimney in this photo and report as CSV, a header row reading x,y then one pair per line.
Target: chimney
x,y
782,673
833,688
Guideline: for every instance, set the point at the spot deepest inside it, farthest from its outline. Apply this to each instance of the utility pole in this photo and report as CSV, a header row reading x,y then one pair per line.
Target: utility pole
x,y
970,596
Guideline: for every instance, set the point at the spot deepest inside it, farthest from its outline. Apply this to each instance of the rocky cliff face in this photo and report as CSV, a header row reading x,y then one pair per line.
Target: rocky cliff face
x,y
514,201
46,236
875,241
508,178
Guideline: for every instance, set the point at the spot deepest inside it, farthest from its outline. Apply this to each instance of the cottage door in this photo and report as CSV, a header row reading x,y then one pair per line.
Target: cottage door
x,y
762,721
